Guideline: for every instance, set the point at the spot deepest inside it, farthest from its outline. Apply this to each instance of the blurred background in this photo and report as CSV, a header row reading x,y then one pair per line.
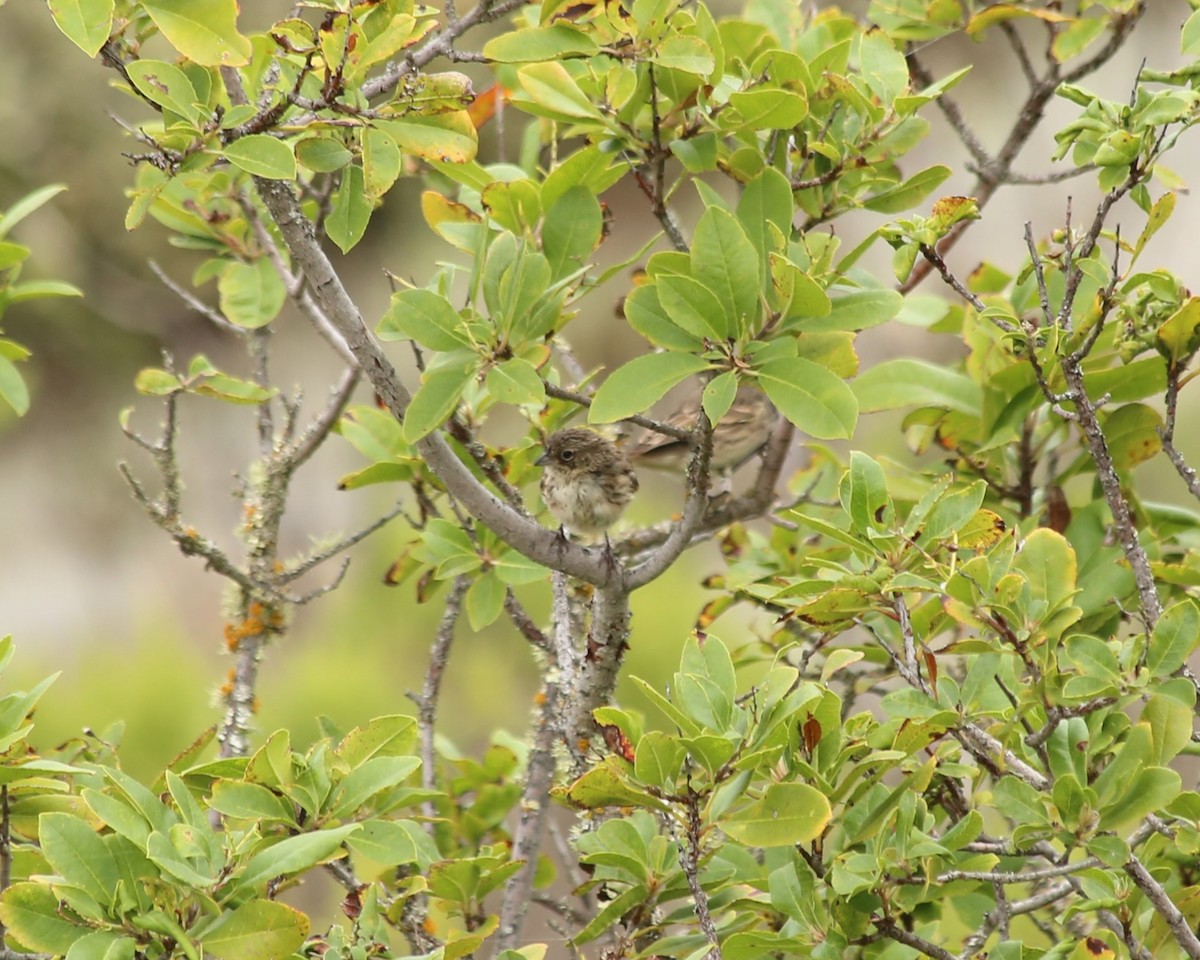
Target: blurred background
x,y
90,587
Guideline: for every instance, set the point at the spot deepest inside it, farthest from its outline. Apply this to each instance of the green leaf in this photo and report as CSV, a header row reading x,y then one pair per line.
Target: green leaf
x,y
514,204
645,313
86,23
1077,37
120,816
572,230
718,395
1151,790
250,801
658,760
13,390
347,220
693,307
724,260
388,736
426,317
689,54
516,381
895,384
906,195
251,294
1189,37
640,383
883,67
103,945
294,855
78,854
27,205
231,389
1132,434
697,154
484,601
1049,564
1175,636
30,912
262,156
787,814
868,494
1179,334
166,85
540,44
10,255
589,167
606,785
323,154
41,289
550,87
815,400
392,842
204,31
369,778
381,162
766,202
1170,726
435,400
769,109
857,311
260,928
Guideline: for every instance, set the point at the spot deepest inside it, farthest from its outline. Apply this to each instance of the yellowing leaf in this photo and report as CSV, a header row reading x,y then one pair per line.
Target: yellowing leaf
x,y
204,31
787,814
449,137
1007,11
86,23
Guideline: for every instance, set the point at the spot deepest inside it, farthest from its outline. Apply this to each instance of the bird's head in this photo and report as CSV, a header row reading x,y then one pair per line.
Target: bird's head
x,y
576,450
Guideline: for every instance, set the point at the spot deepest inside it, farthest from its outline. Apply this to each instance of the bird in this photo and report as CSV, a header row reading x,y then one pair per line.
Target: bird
x,y
586,482
739,435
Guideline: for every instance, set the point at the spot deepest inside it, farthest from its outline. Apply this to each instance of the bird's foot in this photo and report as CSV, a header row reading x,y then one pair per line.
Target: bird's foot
x,y
610,556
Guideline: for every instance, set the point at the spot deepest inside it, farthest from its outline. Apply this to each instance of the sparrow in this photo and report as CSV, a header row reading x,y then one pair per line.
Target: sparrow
x,y
739,435
586,482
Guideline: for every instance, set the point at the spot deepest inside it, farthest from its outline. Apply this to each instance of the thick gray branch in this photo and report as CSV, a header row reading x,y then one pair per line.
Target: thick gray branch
x,y
521,533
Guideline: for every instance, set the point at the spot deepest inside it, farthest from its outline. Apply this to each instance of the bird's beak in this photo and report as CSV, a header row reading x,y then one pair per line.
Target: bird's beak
x,y
542,460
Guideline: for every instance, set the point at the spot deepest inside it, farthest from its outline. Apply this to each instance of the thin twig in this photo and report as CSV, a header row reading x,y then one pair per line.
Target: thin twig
x,y
427,702
1177,923
689,861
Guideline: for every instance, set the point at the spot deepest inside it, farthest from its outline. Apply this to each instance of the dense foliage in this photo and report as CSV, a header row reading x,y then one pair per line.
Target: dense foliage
x,y
961,733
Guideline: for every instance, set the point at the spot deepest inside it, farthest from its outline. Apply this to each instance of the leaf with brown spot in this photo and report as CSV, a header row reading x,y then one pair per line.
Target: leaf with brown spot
x,y
983,530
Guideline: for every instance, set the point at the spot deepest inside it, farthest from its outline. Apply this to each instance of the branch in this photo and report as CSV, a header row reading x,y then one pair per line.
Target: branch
x,y
997,172
535,798
658,426
689,862
722,512
523,621
1178,924
427,702
888,928
521,533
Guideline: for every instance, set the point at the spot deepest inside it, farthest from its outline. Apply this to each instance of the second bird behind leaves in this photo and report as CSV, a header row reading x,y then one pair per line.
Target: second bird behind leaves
x,y
586,481
739,435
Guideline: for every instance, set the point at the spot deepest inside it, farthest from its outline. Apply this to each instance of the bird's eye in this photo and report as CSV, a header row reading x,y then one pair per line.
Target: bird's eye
x,y
567,456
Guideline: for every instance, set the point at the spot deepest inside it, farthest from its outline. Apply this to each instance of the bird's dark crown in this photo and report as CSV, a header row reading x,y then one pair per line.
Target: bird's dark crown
x,y
577,448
